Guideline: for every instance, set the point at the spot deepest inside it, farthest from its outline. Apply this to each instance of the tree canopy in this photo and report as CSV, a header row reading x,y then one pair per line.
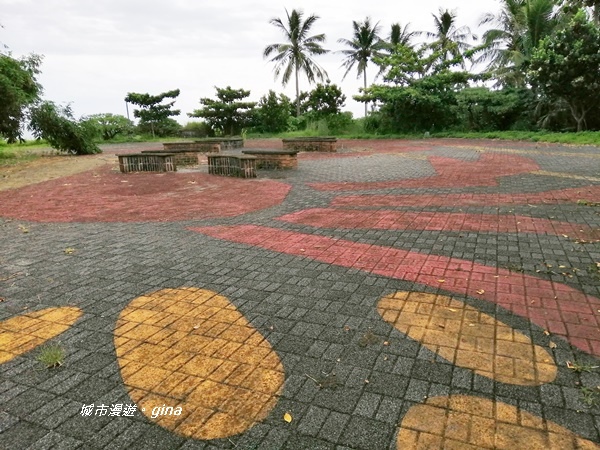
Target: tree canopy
x,y
363,47
228,114
297,52
566,66
152,112
19,89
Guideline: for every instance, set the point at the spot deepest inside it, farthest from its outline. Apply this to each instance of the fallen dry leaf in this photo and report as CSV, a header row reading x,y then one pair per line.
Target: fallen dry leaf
x,y
480,291
441,281
546,332
69,250
552,345
288,417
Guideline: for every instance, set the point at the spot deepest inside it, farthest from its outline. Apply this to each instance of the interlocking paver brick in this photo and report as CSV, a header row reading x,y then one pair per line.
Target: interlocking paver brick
x,y
432,288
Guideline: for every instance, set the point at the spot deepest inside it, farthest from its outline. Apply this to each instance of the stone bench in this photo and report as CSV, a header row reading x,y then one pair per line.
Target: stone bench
x,y
186,153
274,158
241,166
147,162
311,144
226,143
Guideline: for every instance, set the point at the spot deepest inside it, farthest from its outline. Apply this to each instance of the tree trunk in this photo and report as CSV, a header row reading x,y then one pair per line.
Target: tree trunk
x,y
578,115
365,84
297,93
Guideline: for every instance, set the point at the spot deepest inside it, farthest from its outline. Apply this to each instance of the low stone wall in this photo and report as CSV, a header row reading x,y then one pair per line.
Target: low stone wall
x,y
186,153
274,159
243,166
226,143
147,162
311,144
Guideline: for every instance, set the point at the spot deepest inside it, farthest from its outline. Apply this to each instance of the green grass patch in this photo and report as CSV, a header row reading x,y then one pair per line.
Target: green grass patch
x,y
17,153
572,138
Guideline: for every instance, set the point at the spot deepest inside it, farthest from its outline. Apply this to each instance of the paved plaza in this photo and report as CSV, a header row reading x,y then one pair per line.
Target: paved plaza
x,y
393,295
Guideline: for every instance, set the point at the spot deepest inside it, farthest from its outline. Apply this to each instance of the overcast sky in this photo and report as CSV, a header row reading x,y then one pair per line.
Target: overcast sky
x,y
96,51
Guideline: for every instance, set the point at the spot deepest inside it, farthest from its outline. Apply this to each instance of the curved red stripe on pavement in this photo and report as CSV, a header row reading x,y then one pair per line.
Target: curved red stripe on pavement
x,y
588,193
555,307
104,195
437,221
450,172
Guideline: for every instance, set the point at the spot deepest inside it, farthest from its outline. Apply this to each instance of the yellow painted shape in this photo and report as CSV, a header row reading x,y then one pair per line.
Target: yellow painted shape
x,y
27,331
463,422
468,338
191,348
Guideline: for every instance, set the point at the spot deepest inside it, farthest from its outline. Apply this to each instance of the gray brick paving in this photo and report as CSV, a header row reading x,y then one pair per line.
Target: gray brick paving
x,y
312,313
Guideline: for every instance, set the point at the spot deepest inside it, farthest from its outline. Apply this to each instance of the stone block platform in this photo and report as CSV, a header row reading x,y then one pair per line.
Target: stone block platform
x,y
274,158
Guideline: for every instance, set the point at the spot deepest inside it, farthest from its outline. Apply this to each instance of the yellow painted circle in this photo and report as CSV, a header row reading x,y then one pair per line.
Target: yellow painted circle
x,y
468,338
192,351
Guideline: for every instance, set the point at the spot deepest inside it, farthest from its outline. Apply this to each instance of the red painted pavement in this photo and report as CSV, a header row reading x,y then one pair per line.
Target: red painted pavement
x,y
437,221
555,307
105,195
450,172
588,193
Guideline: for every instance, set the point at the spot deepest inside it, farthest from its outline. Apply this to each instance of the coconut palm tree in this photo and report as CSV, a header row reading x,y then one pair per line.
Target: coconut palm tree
x,y
450,41
518,28
365,44
296,53
401,35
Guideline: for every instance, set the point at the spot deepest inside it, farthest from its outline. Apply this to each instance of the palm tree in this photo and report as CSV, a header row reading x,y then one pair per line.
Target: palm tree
x,y
449,41
401,36
519,27
295,54
364,44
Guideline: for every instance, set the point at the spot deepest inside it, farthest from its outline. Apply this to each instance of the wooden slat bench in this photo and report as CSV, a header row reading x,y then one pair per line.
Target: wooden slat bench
x,y
241,166
186,153
311,144
147,162
274,158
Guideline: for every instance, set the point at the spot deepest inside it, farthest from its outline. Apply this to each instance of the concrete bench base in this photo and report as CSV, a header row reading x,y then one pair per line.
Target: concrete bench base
x,y
147,162
274,159
310,144
243,166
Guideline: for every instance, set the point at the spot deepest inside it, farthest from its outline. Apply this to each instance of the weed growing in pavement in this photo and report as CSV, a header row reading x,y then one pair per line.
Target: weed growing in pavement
x,y
590,396
52,356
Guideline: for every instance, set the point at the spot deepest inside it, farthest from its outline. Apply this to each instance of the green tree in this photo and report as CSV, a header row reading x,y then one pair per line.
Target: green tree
x,y
227,114
273,113
422,95
153,113
296,53
324,100
516,31
484,109
57,126
19,89
566,66
364,45
450,41
108,126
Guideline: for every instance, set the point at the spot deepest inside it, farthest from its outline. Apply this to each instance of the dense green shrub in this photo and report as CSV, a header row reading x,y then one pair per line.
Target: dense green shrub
x,y
57,126
272,113
108,126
